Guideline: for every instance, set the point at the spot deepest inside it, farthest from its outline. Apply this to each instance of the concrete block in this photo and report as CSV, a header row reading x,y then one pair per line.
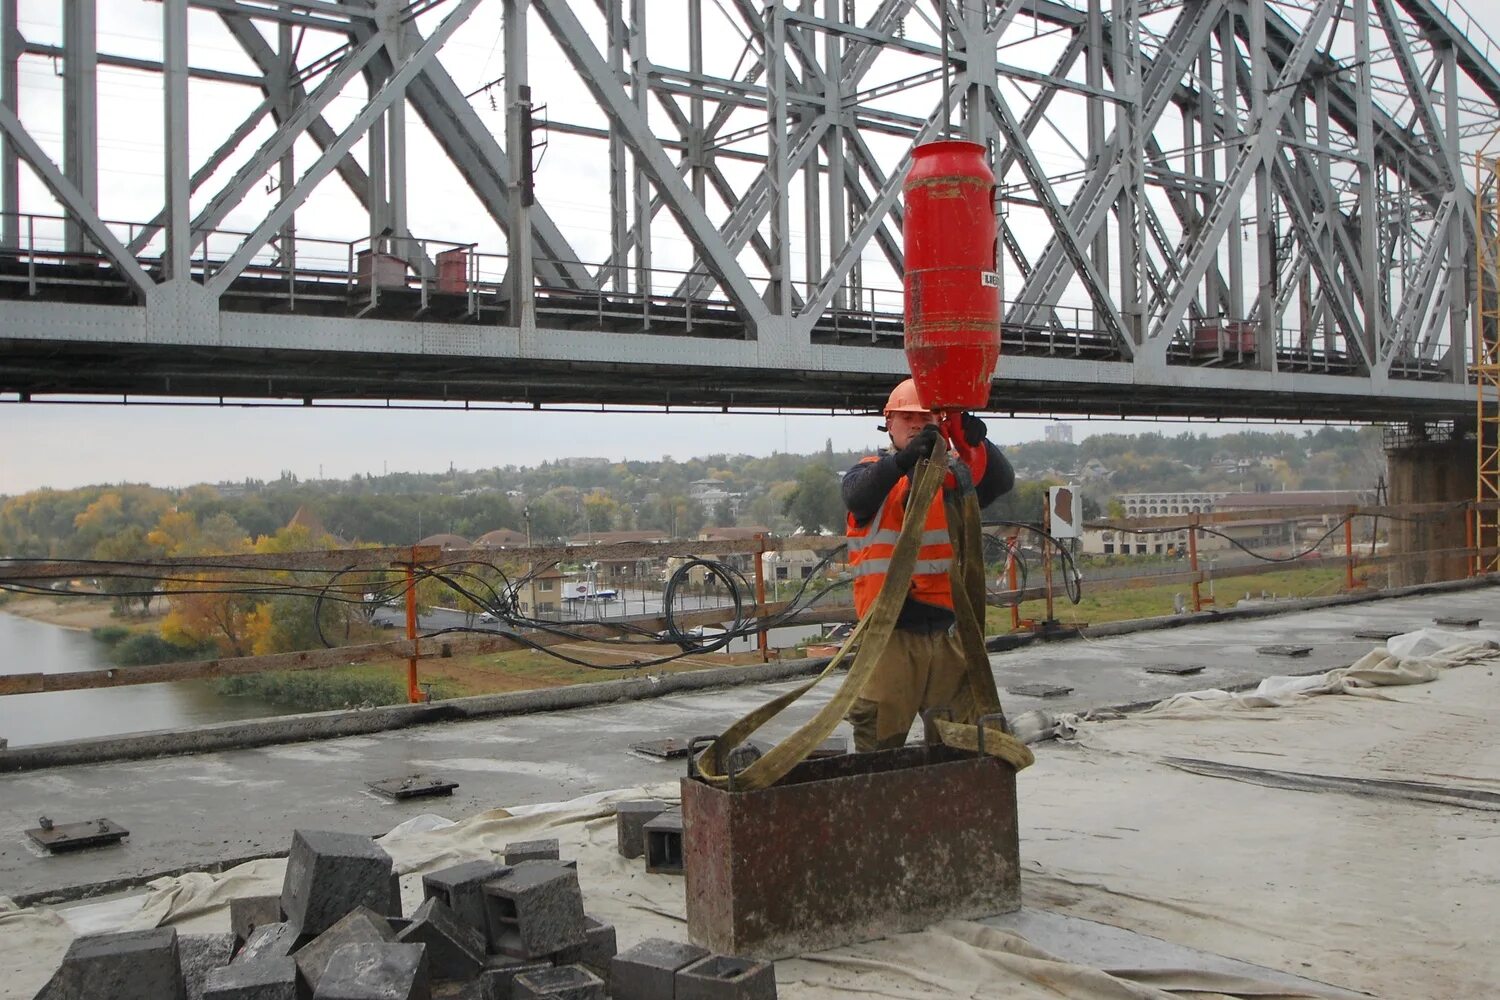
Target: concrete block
x,y
723,977
596,952
566,982
649,970
630,820
500,972
532,850
454,949
329,874
664,843
362,926
200,954
367,971
394,908
262,979
535,910
250,912
131,965
269,941
462,888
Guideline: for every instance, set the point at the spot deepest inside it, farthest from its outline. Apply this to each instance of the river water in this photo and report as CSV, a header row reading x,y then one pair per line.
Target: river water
x,y
28,646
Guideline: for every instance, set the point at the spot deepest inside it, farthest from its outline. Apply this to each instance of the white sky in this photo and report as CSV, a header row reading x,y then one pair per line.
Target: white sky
x,y
64,446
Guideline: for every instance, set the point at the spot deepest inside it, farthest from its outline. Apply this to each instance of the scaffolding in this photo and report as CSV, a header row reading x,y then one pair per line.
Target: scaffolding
x,y
1485,524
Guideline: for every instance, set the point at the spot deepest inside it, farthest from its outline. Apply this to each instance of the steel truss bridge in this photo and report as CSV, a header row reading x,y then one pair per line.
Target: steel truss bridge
x,y
1228,208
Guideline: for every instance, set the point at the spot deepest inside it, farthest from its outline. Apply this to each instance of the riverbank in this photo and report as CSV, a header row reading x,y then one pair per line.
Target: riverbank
x,y
79,614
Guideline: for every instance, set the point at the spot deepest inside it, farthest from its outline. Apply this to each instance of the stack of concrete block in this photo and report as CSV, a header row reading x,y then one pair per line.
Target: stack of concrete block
x,y
485,931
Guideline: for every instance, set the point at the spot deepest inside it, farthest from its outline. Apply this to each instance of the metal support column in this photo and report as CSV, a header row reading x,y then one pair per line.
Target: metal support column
x,y
1458,258
80,110
1265,221
1372,282
1094,77
1229,56
640,91
520,288
780,293
1126,69
833,145
178,252
287,168
619,209
10,163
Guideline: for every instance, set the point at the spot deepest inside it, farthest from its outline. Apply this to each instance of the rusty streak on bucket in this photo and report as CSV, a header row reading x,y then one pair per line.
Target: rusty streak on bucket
x,y
850,849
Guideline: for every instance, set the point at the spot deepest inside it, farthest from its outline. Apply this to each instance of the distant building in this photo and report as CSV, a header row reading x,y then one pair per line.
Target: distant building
x,y
500,538
1058,433
583,463
1168,504
444,540
710,493
616,569
1113,542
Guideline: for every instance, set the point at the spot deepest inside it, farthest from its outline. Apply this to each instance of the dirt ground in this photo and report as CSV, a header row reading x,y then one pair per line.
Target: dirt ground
x,y
80,613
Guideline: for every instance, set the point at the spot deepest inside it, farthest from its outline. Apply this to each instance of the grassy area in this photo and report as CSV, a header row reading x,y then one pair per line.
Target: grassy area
x,y
1098,607
322,690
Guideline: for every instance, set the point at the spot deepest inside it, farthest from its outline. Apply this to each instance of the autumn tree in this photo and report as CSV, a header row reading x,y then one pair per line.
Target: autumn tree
x,y
815,503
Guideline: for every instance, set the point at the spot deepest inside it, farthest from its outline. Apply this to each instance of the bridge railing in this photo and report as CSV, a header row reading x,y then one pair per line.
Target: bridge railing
x,y
445,281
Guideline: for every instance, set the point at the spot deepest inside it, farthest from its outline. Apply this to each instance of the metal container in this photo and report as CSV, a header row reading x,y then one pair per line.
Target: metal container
x,y
951,279
848,849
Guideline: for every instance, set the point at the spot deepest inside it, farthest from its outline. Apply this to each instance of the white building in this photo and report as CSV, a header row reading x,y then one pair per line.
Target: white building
x,y
1168,504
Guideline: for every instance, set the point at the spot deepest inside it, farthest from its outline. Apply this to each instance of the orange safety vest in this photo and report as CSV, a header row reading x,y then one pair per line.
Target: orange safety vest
x,y
871,546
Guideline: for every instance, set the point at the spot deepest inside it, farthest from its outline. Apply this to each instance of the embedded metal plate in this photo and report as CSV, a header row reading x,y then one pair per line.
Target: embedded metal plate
x,y
1176,669
1039,690
62,837
1454,621
413,786
1377,634
1284,650
668,749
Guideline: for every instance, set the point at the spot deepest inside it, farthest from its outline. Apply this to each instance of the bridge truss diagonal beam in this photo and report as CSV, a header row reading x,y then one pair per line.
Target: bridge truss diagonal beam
x,y
1284,173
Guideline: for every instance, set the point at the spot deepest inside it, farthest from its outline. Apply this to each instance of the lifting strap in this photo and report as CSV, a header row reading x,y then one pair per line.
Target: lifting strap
x,y
871,635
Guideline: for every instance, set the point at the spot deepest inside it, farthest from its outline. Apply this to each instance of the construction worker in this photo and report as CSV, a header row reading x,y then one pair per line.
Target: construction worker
x,y
922,666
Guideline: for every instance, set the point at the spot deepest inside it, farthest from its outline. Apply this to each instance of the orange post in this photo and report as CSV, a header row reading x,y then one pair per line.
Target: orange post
x,y
1012,578
1047,558
1193,562
1470,518
760,597
413,693
1349,550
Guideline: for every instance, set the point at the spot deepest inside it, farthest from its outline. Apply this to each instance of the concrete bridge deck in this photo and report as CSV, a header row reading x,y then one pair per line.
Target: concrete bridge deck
x,y
199,811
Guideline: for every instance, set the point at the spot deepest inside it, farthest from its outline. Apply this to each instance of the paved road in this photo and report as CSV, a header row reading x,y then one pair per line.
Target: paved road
x,y
197,810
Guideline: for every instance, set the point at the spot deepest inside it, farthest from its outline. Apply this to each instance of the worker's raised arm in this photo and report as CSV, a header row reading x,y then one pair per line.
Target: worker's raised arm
x,y
866,486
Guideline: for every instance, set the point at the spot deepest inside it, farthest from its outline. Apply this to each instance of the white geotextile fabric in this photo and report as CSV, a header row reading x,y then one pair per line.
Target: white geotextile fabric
x,y
1392,897
1386,895
956,958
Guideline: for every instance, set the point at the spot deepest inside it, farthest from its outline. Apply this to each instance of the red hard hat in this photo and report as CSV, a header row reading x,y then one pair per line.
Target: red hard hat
x,y
904,399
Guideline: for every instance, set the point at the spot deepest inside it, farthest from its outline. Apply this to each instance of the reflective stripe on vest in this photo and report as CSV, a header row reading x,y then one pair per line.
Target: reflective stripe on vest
x,y
872,544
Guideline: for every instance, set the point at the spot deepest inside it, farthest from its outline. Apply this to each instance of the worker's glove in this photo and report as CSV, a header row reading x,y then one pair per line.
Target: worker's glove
x,y
974,430
918,448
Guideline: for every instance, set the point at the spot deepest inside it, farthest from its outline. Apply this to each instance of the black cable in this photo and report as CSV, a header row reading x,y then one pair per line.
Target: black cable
x,y
1072,578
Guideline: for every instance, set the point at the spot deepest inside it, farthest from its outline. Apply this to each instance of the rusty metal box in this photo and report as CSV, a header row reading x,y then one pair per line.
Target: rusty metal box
x,y
849,849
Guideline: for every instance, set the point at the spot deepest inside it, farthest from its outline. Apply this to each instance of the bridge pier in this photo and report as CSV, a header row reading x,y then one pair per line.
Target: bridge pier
x,y
1431,463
